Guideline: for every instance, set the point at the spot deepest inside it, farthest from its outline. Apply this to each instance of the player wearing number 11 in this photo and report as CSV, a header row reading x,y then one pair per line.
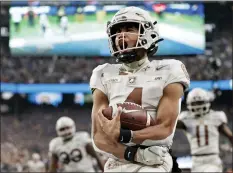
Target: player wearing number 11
x,y
203,126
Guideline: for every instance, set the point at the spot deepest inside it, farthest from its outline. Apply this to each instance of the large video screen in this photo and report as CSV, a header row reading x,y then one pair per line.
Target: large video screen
x,y
81,30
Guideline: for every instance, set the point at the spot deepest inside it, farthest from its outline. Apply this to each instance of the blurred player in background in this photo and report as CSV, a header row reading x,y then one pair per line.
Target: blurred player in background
x,y
44,23
16,17
72,150
64,24
203,126
156,85
60,13
31,17
36,165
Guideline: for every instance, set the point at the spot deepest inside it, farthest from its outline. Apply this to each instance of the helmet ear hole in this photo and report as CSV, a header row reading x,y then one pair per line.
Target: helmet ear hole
x,y
153,36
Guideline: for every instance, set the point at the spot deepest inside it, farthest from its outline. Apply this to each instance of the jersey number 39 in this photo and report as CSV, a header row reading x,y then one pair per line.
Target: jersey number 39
x,y
75,155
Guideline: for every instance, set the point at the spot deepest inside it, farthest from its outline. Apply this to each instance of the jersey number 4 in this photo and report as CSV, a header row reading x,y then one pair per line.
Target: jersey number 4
x,y
206,135
75,155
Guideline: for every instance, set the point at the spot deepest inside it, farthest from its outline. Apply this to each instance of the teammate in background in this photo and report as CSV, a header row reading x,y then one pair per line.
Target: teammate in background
x,y
64,24
203,126
157,86
71,149
44,23
36,165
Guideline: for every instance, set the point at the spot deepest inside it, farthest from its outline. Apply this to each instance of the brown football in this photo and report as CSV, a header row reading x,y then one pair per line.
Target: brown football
x,y
133,116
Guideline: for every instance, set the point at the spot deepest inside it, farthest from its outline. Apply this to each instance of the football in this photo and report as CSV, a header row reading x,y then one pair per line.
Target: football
x,y
133,116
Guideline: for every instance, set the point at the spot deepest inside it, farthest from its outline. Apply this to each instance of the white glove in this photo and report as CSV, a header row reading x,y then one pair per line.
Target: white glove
x,y
154,155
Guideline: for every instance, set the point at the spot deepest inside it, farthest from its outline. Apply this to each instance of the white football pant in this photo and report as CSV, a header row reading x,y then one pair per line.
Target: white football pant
x,y
113,165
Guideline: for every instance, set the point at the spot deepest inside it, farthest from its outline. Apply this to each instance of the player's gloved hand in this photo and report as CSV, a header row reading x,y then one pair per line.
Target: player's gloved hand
x,y
154,155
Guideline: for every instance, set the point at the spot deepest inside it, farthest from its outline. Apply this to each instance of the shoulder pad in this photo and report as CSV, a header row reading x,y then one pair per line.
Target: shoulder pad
x,y
100,67
54,143
220,116
178,73
84,136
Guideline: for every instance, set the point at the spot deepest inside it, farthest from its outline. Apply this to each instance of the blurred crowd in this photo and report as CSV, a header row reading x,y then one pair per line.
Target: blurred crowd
x,y
21,138
78,69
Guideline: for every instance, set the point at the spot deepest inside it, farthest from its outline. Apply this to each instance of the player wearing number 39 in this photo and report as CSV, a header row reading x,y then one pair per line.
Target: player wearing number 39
x,y
203,126
71,150
157,86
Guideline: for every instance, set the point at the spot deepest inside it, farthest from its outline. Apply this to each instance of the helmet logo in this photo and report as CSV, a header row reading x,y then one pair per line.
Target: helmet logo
x,y
121,18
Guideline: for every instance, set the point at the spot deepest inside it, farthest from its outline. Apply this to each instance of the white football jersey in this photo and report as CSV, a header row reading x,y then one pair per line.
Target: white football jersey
x,y
72,154
202,132
36,166
152,77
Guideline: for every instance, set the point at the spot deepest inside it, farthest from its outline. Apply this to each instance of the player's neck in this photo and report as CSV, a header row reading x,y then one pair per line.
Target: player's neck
x,y
135,66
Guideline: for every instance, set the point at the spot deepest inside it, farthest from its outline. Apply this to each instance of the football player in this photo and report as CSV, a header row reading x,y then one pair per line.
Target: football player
x,y
36,165
203,126
64,24
72,150
44,23
156,85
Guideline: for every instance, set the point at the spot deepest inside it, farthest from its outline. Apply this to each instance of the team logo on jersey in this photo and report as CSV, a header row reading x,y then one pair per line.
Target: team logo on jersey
x,y
114,80
155,78
146,68
158,78
132,80
163,67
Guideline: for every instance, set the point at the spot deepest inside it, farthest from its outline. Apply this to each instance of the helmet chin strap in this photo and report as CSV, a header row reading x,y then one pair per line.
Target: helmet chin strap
x,y
136,65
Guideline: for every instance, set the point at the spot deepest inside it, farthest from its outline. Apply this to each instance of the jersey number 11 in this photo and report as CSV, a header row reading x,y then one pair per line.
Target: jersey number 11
x,y
206,134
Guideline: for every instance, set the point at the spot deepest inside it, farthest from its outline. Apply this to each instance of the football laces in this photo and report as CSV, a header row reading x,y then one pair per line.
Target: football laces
x,y
130,103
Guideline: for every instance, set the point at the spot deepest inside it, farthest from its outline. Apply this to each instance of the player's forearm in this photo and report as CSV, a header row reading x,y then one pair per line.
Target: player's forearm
x,y
93,153
231,139
157,132
117,149
102,144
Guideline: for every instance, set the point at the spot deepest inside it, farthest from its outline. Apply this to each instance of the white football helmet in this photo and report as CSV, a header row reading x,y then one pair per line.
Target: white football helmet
x,y
148,35
65,127
198,101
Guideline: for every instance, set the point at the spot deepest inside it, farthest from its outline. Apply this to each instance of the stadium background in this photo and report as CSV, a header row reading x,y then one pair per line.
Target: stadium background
x,y
38,89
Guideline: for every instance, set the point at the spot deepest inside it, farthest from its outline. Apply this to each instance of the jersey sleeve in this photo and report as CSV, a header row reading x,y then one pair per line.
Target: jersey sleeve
x,y
222,117
52,146
178,74
86,138
96,80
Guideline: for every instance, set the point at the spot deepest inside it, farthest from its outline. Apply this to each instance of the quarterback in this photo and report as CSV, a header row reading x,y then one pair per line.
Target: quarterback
x,y
72,150
203,126
156,85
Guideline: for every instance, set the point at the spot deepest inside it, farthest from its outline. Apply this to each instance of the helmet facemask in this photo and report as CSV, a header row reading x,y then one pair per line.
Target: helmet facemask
x,y
66,132
126,52
199,108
